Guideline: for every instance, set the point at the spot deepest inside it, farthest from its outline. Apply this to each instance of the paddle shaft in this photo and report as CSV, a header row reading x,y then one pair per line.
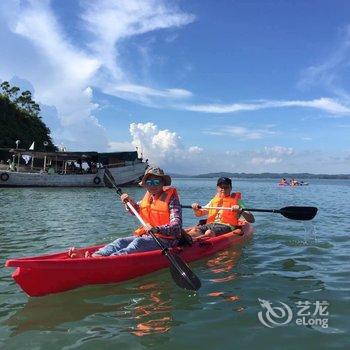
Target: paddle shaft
x,y
291,212
245,209
226,208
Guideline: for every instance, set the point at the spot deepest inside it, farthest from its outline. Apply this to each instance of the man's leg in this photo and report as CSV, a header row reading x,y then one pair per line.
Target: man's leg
x,y
115,246
143,244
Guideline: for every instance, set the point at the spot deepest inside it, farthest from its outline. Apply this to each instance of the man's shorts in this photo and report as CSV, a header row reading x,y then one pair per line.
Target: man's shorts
x,y
217,228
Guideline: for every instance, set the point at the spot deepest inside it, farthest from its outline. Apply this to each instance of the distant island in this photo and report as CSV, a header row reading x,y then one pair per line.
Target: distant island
x,y
298,176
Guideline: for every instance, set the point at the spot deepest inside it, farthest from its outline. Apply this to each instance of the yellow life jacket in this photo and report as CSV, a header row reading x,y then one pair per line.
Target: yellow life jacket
x,y
226,216
156,212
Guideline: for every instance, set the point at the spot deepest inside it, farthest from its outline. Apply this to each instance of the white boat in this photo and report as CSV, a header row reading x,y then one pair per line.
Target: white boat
x,y
71,169
129,174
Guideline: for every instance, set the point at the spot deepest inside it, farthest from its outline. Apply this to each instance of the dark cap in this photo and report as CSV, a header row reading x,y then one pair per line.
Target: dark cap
x,y
224,180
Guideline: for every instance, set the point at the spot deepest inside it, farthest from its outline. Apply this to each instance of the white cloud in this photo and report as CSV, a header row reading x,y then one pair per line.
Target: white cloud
x,y
241,132
38,24
110,23
163,147
195,150
332,71
159,146
265,161
144,94
147,91
326,104
279,150
271,155
222,108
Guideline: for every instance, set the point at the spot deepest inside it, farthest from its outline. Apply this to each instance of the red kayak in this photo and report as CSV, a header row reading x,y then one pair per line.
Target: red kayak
x,y
58,272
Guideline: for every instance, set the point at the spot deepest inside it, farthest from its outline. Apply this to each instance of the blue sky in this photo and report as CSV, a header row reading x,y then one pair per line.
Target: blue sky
x,y
198,86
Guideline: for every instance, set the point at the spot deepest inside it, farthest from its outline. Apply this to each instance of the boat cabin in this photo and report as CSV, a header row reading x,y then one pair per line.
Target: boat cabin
x,y
54,162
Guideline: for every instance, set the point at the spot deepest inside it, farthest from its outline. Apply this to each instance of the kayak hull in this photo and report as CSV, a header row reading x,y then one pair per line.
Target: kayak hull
x,y
54,273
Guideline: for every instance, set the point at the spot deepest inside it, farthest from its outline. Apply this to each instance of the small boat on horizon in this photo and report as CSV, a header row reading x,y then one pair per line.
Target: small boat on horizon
x,y
292,183
69,169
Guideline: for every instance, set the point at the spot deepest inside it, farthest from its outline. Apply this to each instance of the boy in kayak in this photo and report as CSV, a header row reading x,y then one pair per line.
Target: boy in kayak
x,y
294,182
160,208
222,221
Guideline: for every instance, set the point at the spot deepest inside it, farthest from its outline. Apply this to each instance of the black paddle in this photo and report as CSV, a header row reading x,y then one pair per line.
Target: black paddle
x,y
294,213
183,276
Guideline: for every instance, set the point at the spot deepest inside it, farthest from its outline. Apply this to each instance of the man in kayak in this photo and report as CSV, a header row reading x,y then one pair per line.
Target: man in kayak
x,y
160,208
222,221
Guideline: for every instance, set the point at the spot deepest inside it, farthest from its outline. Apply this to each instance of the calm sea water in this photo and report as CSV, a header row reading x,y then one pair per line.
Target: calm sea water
x,y
286,261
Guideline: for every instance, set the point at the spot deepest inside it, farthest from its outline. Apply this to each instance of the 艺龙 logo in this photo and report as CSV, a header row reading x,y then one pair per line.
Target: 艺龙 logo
x,y
310,314
274,316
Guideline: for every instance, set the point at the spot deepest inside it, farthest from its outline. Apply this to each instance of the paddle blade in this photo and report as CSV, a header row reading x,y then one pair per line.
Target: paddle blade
x,y
183,276
299,213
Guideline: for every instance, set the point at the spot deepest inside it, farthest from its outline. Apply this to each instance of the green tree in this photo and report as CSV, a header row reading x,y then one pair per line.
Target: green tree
x,y
20,120
5,87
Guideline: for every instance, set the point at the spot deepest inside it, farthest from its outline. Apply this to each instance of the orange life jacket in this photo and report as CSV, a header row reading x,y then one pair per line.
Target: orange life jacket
x,y
227,217
156,212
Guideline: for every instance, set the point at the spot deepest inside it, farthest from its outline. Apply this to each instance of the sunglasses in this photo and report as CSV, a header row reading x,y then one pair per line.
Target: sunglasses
x,y
153,182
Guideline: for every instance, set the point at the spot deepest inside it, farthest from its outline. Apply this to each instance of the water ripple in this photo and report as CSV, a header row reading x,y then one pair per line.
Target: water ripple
x,y
286,261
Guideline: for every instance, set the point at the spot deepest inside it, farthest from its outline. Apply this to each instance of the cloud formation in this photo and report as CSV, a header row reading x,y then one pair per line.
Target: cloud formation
x,y
110,23
64,75
326,104
332,71
271,155
241,132
166,149
162,147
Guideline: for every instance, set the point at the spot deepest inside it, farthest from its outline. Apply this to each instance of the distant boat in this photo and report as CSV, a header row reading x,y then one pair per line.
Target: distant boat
x,y
300,183
70,169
